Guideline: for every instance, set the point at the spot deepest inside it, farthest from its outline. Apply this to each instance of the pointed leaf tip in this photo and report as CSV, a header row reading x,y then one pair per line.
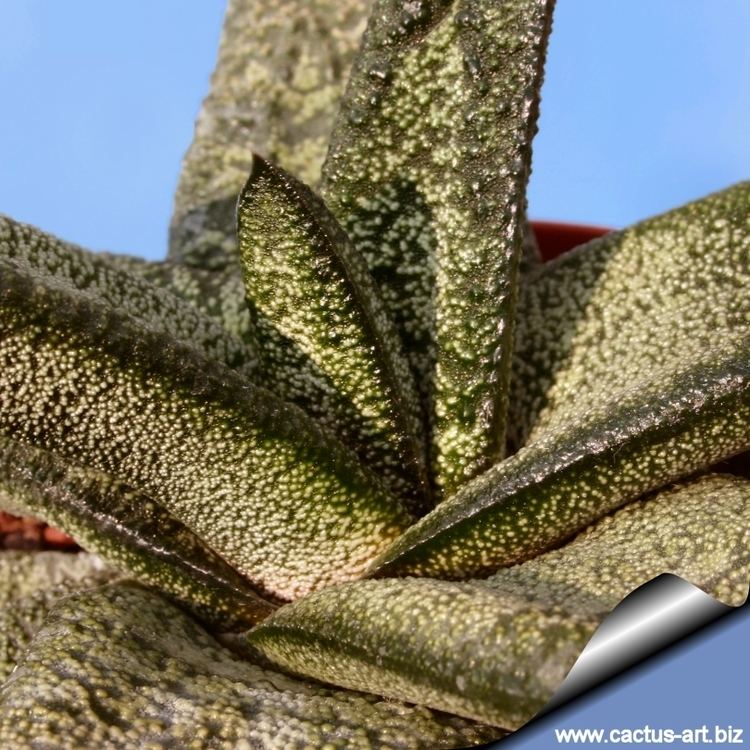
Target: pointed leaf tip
x,y
312,286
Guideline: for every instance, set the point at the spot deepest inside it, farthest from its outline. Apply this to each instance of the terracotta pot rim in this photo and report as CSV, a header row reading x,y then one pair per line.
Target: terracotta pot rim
x,y
557,237
564,226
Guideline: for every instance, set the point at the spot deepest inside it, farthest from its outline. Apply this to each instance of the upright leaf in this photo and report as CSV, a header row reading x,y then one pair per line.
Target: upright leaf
x,y
151,677
497,649
275,89
633,368
282,501
303,275
128,530
427,172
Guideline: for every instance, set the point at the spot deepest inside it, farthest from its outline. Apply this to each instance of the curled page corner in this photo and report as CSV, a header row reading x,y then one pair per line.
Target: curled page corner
x,y
654,616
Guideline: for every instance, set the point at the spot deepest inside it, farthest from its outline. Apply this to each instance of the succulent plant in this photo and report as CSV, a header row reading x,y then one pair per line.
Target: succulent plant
x,y
355,468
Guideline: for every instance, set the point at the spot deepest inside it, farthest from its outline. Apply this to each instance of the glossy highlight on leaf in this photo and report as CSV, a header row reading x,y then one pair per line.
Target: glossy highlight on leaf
x,y
666,428
250,427
128,530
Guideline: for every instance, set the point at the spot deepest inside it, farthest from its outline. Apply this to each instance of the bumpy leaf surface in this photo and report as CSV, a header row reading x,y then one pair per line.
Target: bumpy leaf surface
x,y
97,277
496,649
304,276
30,583
604,318
657,387
275,89
282,501
220,294
129,530
655,434
426,171
119,667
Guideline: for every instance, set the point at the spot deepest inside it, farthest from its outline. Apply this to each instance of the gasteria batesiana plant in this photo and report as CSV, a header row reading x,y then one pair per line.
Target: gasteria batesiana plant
x,y
354,468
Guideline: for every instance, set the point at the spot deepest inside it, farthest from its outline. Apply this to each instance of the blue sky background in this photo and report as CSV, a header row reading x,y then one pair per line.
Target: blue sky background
x,y
646,105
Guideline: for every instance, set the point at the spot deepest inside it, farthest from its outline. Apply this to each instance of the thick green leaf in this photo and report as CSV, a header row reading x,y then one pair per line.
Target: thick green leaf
x,y
129,531
30,583
496,649
119,667
282,501
599,320
286,369
643,368
698,530
303,275
101,278
427,172
668,426
275,89
219,294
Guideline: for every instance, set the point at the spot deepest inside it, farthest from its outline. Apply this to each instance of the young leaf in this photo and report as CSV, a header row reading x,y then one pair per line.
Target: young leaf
x,y
286,370
598,320
670,425
496,649
151,677
303,275
129,531
427,171
276,86
30,583
282,501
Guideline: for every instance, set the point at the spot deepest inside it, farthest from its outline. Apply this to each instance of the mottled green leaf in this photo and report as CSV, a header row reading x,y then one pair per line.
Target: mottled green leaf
x,y
128,530
100,278
303,275
601,319
30,583
119,667
671,424
496,649
427,171
219,294
286,369
282,501
632,368
275,89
